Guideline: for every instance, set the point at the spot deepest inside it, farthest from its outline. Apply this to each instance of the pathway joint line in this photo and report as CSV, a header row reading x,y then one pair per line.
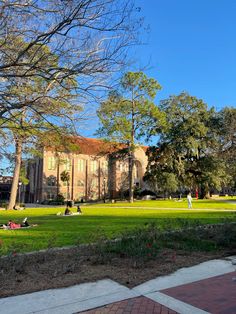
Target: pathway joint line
x,y
186,275
174,304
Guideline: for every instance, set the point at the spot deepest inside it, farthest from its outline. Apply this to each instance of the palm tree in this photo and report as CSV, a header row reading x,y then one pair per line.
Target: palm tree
x,y
65,177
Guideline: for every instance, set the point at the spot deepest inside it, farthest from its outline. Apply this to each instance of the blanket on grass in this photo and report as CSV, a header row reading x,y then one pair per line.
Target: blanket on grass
x,y
72,214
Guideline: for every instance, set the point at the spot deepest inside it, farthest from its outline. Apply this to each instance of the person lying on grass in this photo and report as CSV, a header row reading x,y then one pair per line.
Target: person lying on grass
x,y
13,225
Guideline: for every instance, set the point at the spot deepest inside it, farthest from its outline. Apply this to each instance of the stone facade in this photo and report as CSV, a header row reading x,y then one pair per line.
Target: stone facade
x,y
95,172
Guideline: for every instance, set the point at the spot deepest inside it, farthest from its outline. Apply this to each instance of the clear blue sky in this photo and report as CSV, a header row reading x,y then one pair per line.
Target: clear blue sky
x,y
191,46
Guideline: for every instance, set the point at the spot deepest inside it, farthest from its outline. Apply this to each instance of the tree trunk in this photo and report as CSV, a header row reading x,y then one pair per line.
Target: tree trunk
x,y
58,177
131,184
68,191
204,192
131,154
16,174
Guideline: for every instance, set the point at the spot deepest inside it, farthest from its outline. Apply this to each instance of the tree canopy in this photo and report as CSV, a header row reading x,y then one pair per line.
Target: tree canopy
x,y
86,38
188,147
128,114
227,118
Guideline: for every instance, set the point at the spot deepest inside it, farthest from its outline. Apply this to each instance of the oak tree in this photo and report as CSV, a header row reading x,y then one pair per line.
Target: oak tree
x,y
188,147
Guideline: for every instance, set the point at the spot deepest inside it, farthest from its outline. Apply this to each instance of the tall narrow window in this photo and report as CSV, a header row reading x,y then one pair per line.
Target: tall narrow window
x,y
81,165
104,165
135,172
94,183
67,164
51,163
94,166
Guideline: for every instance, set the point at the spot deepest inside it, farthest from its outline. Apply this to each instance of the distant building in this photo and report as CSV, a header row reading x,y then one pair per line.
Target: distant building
x,y
5,188
97,170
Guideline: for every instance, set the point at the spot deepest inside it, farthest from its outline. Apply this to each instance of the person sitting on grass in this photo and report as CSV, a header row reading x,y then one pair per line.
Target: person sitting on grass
x,y
68,212
18,207
79,210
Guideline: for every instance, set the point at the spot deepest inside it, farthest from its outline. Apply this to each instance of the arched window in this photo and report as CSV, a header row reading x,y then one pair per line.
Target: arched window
x,y
51,181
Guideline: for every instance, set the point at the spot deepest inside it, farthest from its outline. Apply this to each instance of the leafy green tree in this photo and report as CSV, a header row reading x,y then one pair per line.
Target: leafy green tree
x,y
188,147
160,173
27,124
227,118
127,116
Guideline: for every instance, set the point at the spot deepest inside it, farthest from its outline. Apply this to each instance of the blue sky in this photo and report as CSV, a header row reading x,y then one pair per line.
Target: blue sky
x,y
191,46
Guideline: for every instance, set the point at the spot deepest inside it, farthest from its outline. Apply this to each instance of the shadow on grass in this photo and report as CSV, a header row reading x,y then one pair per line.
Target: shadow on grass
x,y
54,231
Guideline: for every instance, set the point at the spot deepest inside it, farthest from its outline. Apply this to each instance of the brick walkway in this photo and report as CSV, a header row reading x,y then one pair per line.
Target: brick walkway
x,y
140,305
214,295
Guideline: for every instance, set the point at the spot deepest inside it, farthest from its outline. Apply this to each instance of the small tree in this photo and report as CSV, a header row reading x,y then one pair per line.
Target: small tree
x,y
26,124
65,177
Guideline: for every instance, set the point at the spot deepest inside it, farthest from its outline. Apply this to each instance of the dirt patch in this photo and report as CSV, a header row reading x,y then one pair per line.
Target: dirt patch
x,y
61,268
129,261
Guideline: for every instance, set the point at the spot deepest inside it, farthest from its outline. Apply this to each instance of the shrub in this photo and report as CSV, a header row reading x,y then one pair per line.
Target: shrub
x,y
147,243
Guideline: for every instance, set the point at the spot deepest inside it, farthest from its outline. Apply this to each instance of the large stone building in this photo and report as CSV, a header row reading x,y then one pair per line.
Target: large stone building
x,y
5,188
96,170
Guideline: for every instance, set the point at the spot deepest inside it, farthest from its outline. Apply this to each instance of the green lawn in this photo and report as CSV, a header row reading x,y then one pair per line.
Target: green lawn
x,y
107,220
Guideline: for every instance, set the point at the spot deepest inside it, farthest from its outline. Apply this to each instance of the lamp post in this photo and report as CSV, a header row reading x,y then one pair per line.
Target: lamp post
x,y
20,183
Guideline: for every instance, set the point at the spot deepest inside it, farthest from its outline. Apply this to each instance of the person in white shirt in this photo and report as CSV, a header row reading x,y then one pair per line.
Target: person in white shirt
x,y
189,199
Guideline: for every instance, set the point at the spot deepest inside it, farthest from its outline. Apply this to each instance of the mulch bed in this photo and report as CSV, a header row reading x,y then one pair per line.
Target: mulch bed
x,y
26,273
56,268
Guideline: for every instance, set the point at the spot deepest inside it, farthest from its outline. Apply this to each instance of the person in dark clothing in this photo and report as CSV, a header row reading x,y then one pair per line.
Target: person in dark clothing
x,y
79,210
25,223
67,211
69,204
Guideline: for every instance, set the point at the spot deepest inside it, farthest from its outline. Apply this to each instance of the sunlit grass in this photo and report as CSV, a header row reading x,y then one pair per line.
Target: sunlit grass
x,y
107,220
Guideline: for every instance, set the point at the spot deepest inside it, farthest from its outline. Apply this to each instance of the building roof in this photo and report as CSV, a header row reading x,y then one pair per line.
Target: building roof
x,y
92,146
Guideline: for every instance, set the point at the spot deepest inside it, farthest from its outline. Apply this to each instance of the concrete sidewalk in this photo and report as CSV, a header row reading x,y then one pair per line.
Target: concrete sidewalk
x,y
209,287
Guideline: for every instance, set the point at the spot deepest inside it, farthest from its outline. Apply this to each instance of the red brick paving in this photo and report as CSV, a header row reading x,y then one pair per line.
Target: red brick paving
x,y
216,295
139,305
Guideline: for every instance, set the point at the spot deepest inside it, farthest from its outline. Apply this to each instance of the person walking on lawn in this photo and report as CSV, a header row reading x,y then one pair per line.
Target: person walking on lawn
x,y
189,199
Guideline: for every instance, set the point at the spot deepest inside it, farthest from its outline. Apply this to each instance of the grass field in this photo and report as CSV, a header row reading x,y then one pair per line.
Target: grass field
x,y
106,220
